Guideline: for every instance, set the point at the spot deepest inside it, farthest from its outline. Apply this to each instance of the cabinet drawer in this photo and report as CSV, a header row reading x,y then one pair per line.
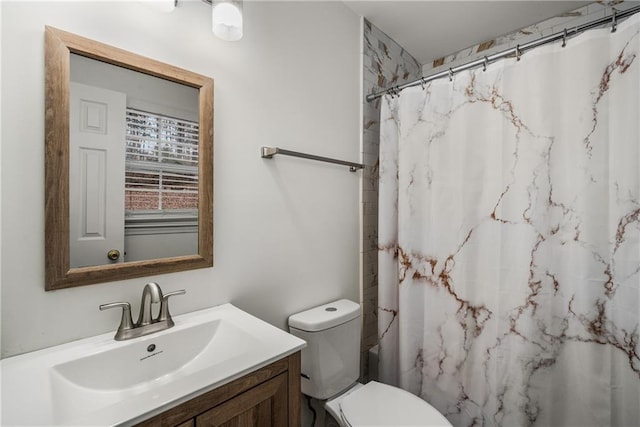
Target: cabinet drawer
x,y
269,396
265,405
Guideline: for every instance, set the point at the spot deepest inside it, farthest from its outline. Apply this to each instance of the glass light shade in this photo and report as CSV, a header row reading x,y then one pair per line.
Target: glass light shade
x,y
227,19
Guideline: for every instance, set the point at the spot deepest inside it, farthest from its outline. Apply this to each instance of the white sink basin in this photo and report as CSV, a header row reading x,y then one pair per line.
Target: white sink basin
x,y
177,352
100,381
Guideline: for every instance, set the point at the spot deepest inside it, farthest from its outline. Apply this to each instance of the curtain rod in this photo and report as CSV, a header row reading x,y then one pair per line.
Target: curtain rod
x,y
517,51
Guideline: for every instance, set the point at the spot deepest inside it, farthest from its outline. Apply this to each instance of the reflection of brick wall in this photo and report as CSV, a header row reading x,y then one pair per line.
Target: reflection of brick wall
x,y
148,200
140,200
180,201
179,191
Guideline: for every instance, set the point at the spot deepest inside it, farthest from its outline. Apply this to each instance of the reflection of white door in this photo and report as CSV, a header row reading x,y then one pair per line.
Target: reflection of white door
x,y
96,174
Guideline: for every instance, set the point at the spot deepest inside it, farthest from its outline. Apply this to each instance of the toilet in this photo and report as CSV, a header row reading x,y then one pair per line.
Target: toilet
x,y
330,370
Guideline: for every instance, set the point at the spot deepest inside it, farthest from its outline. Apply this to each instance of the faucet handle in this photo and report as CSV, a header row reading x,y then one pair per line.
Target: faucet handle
x,y
164,307
125,322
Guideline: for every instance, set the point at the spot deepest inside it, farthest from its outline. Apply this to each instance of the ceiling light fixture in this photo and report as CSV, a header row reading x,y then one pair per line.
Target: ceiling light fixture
x,y
226,19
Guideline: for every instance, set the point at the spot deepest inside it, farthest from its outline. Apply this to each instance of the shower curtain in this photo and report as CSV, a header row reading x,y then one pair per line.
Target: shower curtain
x,y
509,237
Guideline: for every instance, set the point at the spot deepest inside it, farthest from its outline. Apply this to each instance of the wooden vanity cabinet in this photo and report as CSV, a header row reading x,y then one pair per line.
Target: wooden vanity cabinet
x,y
269,396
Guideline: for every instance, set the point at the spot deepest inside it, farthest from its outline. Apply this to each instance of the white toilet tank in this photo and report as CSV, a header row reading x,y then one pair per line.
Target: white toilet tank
x,y
331,359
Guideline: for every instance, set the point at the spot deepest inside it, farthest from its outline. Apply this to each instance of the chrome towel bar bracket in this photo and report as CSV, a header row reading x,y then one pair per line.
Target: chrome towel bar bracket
x,y
269,152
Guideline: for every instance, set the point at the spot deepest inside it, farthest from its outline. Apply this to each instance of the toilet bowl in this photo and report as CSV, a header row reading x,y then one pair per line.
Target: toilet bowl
x,y
330,368
383,405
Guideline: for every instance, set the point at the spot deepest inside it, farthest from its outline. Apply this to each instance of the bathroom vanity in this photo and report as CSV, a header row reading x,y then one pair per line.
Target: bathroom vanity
x,y
270,396
218,366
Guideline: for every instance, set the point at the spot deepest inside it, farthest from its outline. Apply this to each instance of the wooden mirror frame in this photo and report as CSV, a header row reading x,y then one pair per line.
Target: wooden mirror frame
x,y
58,273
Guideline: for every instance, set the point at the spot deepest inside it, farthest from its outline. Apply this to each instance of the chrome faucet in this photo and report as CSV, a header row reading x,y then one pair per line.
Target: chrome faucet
x,y
146,324
153,293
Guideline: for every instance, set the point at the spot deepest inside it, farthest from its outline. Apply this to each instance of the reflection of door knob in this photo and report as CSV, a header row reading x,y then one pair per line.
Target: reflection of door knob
x,y
113,254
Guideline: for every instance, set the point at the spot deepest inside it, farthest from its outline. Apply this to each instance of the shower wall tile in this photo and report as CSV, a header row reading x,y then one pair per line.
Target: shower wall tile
x,y
370,318
385,64
370,276
371,142
567,20
370,159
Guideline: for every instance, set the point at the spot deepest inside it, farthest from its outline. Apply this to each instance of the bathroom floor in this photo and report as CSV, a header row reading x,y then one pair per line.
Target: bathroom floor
x,y
322,417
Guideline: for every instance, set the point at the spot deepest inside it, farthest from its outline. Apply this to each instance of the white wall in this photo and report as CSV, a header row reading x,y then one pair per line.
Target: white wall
x,y
285,230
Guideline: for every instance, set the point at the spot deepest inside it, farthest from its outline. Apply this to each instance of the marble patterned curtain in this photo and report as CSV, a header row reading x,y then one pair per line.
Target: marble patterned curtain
x,y
509,237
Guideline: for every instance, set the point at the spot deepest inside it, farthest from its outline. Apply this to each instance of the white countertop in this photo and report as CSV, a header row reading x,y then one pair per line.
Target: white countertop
x,y
35,390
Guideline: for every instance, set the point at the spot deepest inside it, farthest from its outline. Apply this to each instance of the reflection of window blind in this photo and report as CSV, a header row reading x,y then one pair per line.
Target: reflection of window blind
x,y
161,163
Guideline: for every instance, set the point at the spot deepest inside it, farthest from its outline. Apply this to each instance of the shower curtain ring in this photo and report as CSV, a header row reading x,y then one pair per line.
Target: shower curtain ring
x,y
484,64
450,74
564,38
518,53
614,21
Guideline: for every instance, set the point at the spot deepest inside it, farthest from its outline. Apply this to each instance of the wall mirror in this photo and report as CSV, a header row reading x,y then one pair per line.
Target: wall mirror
x,y
128,164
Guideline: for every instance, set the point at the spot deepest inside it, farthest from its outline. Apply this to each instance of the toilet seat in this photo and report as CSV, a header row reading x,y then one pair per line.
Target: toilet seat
x,y
376,404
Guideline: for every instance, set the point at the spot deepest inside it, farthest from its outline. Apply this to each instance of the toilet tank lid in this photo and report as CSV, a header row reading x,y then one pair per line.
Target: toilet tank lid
x,y
325,316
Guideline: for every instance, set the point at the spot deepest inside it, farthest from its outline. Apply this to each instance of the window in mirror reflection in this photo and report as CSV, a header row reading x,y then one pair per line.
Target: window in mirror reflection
x,y
161,172
133,165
